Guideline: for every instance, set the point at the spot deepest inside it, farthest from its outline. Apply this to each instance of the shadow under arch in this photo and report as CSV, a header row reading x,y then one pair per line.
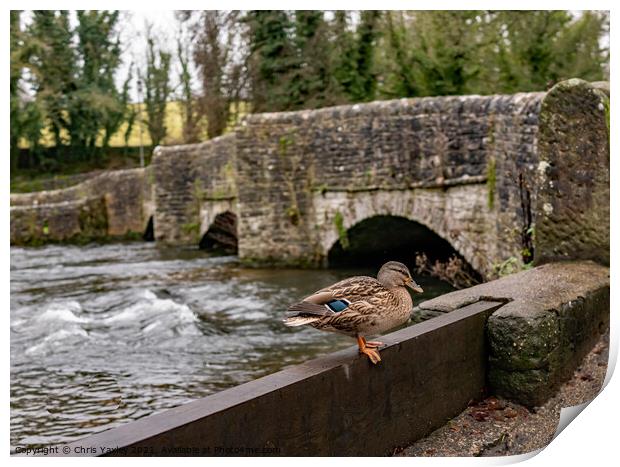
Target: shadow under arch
x,y
380,238
221,236
149,232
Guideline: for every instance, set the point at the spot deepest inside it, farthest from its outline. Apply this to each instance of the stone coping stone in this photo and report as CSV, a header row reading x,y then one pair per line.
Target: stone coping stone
x,y
552,316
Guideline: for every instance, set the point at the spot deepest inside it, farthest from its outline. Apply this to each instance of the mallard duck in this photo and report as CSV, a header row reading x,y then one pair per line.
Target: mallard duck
x,y
360,306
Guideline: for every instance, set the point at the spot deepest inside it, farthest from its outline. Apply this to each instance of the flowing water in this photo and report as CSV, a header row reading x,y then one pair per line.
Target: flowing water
x,y
105,334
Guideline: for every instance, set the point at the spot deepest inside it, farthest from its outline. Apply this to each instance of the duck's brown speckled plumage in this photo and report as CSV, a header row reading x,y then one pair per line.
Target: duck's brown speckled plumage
x,y
373,306
373,310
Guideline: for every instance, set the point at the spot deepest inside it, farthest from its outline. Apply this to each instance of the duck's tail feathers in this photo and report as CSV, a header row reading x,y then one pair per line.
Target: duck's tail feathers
x,y
300,320
310,308
306,313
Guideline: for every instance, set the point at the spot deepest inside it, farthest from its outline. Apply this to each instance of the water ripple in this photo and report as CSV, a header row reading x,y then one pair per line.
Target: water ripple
x,y
104,334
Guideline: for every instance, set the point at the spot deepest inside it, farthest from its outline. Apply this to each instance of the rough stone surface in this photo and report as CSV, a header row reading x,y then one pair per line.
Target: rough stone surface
x,y
425,159
573,173
193,183
127,203
83,219
552,315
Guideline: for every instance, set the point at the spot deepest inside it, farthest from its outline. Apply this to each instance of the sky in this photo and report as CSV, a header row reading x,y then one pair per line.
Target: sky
x,y
165,29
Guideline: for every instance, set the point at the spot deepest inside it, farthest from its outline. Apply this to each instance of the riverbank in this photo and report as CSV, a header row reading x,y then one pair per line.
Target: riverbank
x,y
497,427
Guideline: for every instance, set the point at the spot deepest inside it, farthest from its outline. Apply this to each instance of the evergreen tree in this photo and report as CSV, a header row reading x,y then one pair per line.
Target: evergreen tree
x,y
539,48
157,90
26,117
354,52
311,79
447,51
367,32
343,52
97,108
272,59
53,64
397,62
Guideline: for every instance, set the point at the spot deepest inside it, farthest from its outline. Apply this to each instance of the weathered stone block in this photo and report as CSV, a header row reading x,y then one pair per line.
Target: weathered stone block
x,y
552,316
573,173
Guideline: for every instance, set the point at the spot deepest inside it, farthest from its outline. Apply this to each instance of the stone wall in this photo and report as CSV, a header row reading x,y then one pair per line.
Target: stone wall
x,y
123,199
187,179
300,171
79,220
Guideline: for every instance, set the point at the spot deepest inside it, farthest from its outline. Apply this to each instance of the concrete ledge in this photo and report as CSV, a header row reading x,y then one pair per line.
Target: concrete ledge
x,y
552,316
339,404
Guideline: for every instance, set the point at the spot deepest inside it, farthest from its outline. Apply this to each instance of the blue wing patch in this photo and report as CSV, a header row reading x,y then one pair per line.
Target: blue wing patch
x,y
338,305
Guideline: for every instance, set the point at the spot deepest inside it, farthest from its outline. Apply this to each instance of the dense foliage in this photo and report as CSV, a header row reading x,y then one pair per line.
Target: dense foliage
x,y
63,72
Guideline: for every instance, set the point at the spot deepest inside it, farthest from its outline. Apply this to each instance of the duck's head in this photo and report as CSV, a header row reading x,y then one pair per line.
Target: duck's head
x,y
395,274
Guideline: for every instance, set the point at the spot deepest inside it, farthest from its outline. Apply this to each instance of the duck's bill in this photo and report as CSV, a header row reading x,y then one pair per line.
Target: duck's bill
x,y
415,287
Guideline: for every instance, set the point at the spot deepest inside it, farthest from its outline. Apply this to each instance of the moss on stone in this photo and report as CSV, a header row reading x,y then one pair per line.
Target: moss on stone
x,y
284,143
191,228
342,232
293,214
491,181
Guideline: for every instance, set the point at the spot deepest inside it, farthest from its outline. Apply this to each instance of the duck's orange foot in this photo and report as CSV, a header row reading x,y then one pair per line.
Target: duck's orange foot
x,y
372,354
369,350
374,344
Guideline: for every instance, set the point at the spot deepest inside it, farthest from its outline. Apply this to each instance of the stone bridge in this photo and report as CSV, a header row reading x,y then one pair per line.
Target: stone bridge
x,y
498,178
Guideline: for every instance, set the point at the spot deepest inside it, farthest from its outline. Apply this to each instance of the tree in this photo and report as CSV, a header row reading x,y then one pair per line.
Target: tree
x,y
52,62
25,111
220,65
354,52
543,47
97,107
311,81
446,51
397,61
157,89
187,100
367,31
272,59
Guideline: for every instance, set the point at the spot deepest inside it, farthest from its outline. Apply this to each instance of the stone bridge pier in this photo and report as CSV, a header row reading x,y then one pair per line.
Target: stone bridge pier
x,y
194,184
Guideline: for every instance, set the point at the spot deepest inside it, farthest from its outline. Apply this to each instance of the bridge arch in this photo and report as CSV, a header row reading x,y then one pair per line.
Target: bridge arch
x,y
377,239
437,218
218,226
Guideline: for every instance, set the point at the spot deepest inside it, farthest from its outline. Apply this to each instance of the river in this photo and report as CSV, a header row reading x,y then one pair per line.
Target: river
x,y
105,334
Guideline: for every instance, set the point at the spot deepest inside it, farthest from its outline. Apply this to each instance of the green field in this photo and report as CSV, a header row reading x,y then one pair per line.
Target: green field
x,y
174,124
